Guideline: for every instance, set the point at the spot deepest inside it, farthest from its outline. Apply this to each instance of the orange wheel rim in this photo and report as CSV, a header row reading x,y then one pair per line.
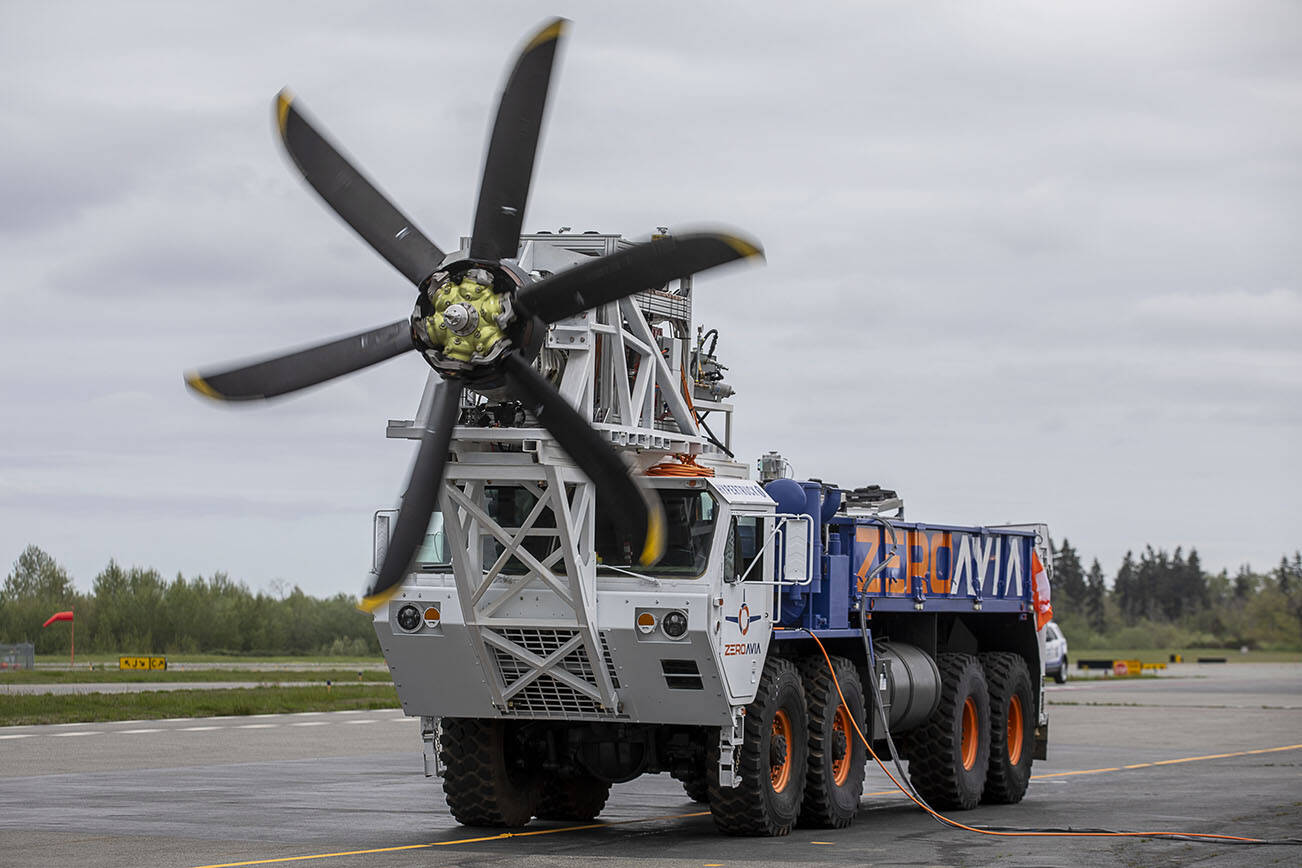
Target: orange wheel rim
x,y
841,735
1015,723
971,736
780,760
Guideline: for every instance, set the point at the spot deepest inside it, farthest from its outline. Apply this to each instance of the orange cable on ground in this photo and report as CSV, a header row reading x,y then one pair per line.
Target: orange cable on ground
x,y
1026,834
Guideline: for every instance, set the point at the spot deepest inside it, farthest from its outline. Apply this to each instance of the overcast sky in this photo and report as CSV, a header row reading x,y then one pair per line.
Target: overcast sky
x,y
1026,262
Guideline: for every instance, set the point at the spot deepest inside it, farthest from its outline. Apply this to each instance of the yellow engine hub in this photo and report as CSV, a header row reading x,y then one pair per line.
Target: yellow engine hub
x,y
466,318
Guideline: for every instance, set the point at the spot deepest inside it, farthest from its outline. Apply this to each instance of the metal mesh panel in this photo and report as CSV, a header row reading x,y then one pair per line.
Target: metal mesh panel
x,y
545,695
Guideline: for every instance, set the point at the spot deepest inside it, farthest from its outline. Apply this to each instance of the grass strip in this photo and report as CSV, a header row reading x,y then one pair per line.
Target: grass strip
x,y
111,660
25,710
145,676
1191,655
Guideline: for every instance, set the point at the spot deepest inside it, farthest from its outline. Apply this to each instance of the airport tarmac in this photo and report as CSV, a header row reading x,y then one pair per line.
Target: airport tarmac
x,y
1217,750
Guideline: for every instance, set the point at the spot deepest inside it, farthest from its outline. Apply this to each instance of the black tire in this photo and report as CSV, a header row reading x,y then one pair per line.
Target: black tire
x,y
1061,675
834,777
486,780
771,764
949,756
696,783
1012,727
578,797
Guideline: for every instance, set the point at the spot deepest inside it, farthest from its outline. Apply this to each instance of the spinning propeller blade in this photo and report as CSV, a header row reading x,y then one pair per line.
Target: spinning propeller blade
x,y
345,189
422,495
625,500
508,168
645,266
302,368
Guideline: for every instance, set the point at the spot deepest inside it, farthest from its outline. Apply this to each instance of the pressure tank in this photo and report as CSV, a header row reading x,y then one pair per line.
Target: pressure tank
x,y
908,683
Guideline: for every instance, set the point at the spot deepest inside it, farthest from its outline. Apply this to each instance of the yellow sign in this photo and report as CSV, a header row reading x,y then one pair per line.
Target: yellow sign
x,y
142,663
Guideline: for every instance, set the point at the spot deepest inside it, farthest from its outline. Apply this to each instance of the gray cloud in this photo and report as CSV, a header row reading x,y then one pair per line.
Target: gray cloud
x,y
1025,261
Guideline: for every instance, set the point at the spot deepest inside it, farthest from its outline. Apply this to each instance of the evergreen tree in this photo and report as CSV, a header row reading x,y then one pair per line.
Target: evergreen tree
x,y
1069,576
1125,590
1095,591
1245,583
36,575
1194,585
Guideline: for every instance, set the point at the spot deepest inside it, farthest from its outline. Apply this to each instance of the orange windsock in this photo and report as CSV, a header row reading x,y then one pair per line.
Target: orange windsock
x,y
58,616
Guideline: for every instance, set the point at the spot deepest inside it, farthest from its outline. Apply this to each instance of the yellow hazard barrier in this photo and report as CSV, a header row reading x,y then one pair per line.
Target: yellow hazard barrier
x,y
1127,667
142,663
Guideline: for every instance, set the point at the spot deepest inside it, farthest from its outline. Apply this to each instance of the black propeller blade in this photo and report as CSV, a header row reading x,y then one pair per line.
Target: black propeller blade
x,y
508,168
626,500
303,368
629,504
419,502
345,189
645,266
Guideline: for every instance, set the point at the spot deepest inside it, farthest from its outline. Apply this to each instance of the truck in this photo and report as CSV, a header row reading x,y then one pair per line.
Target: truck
x,y
790,625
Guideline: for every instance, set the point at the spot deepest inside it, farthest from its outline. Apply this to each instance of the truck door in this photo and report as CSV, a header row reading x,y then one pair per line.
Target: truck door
x,y
747,611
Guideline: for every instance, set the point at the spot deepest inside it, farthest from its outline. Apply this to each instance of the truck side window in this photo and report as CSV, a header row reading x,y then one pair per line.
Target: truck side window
x,y
745,540
433,550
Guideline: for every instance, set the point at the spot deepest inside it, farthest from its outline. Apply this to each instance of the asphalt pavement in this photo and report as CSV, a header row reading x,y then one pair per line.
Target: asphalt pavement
x,y
1209,749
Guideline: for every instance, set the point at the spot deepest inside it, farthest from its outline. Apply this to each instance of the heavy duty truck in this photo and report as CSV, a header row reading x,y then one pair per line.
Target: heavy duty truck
x,y
785,618
583,584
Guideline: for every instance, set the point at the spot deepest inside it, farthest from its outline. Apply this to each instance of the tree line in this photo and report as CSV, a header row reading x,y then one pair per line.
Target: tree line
x,y
137,611
1160,599
1165,599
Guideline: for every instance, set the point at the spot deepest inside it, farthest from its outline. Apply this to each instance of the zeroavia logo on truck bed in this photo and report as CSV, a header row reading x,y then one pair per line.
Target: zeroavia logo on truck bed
x,y
733,649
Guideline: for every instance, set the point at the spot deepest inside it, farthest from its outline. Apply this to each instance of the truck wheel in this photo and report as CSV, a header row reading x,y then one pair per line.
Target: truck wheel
x,y
1061,675
696,783
579,797
949,755
1012,727
771,762
486,780
834,779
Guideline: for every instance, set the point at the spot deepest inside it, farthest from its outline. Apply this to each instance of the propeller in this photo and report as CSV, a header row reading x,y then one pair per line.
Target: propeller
x,y
478,319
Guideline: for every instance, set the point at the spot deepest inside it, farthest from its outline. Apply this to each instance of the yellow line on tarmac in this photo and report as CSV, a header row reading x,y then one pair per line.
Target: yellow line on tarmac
x,y
499,837
1188,759
504,835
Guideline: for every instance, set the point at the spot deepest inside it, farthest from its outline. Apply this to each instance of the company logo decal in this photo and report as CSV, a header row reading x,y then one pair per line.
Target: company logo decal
x,y
744,618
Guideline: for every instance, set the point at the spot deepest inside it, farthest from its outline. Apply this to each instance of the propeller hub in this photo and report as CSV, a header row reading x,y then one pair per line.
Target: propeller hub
x,y
461,319
469,318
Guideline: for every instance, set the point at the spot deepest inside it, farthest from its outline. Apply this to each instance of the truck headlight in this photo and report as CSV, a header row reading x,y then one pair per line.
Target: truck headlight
x,y
674,624
409,618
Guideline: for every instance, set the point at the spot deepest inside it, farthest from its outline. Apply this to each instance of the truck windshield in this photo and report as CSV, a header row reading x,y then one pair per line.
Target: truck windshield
x,y
689,532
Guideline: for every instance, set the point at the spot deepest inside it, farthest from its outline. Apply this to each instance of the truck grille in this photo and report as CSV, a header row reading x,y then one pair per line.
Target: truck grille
x,y
545,696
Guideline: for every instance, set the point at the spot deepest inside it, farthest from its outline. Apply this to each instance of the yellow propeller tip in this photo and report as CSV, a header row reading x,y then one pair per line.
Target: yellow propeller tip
x,y
283,99
655,539
371,602
200,385
742,246
552,31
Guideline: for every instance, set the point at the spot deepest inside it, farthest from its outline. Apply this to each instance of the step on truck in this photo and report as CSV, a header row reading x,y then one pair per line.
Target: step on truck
x,y
787,622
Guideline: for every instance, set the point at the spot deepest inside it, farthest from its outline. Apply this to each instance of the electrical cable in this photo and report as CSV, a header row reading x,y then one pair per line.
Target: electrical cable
x,y
715,440
1009,831
686,466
